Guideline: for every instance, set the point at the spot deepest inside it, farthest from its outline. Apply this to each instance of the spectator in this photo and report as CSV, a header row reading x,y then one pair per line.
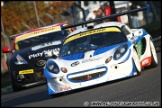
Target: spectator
x,y
135,22
92,13
106,10
91,16
99,13
95,12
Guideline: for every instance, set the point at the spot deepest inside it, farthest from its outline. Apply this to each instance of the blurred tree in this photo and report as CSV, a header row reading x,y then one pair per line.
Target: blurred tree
x,y
13,13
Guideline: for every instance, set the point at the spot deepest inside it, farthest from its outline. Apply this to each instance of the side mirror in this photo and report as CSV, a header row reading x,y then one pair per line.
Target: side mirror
x,y
6,49
137,33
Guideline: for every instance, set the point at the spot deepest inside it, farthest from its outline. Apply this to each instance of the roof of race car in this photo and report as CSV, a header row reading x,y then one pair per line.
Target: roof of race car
x,y
105,24
39,31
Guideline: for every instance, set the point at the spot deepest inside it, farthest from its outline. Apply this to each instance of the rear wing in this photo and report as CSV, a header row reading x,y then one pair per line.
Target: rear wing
x,y
107,17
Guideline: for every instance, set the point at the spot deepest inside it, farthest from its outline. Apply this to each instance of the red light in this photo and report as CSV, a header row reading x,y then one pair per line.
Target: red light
x,y
6,49
64,70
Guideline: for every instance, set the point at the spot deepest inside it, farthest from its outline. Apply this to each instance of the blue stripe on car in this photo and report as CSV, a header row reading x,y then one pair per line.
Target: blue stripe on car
x,y
46,73
133,69
104,49
140,37
50,91
74,56
97,52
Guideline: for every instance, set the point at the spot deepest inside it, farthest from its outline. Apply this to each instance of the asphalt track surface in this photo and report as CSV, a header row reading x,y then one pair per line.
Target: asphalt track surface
x,y
142,90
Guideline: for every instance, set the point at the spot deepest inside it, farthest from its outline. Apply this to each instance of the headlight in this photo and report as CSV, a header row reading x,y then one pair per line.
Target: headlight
x,y
63,69
20,60
52,67
120,51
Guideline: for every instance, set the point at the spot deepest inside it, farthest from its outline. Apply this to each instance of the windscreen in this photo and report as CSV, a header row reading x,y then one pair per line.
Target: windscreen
x,y
36,40
92,40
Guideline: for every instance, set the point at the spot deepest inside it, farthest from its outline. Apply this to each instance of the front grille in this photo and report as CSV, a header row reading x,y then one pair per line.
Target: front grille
x,y
87,75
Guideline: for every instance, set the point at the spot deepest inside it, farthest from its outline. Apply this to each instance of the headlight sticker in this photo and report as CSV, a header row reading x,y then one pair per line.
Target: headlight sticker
x,y
20,60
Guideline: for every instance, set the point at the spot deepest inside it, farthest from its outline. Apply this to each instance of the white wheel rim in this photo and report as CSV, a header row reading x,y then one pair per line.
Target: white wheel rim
x,y
136,60
152,48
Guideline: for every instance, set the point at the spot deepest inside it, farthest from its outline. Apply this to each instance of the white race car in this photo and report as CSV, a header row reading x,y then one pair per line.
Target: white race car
x,y
98,54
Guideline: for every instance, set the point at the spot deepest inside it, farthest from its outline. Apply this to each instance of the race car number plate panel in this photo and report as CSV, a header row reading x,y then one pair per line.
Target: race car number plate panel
x,y
29,71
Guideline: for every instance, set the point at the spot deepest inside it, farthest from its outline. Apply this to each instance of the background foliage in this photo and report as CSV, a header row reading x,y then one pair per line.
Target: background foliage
x,y
15,13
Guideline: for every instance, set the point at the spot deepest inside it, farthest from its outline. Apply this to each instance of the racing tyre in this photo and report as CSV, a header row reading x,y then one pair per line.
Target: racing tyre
x,y
136,61
14,87
154,59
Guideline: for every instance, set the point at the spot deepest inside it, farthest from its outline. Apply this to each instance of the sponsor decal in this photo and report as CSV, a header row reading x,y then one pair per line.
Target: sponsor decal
x,y
45,45
29,71
75,63
65,88
36,32
41,63
101,30
46,53
91,59
146,62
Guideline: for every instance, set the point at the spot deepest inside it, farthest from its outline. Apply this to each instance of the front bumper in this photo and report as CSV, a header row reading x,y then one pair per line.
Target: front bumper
x,y
29,79
90,77
33,84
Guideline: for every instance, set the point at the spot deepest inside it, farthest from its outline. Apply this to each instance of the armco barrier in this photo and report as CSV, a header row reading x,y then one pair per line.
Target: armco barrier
x,y
157,41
